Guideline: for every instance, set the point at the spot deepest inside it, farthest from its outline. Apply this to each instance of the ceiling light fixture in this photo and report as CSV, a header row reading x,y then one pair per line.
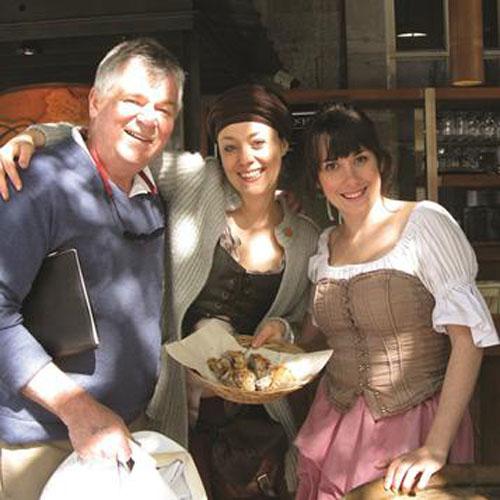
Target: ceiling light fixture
x,y
416,34
27,50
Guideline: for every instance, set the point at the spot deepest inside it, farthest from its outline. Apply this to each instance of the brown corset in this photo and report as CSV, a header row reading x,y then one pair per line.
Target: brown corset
x,y
379,325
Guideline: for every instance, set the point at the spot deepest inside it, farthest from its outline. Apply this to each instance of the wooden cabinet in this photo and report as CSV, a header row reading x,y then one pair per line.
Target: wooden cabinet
x,y
488,406
469,174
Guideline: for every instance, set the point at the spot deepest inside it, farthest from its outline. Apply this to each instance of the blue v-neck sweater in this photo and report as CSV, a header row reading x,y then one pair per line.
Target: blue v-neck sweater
x,y
64,205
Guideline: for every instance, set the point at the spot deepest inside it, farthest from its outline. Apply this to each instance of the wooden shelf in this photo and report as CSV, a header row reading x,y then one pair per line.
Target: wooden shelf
x,y
487,251
471,181
373,97
467,141
468,98
494,351
487,244
467,94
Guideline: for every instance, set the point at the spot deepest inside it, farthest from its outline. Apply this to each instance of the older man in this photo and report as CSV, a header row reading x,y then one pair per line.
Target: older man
x,y
93,193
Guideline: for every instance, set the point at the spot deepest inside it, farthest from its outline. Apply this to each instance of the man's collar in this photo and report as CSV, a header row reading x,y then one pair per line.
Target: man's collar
x,y
143,184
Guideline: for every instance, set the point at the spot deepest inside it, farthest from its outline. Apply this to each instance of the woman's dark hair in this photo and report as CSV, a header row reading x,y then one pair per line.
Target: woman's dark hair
x,y
344,129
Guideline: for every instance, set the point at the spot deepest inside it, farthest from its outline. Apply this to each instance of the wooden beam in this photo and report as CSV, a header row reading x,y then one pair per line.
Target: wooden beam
x,y
468,94
475,180
99,25
372,96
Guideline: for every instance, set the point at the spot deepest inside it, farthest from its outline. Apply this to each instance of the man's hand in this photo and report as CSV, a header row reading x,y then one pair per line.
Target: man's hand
x,y
20,148
272,331
94,430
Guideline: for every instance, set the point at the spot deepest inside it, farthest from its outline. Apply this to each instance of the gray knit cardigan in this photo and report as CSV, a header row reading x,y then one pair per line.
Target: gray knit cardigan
x,y
197,197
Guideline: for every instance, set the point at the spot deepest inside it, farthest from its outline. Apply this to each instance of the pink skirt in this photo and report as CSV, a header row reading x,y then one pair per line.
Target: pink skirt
x,y
338,452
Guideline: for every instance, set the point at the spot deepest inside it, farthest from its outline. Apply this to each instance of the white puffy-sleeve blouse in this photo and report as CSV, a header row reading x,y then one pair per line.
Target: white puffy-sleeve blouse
x,y
433,248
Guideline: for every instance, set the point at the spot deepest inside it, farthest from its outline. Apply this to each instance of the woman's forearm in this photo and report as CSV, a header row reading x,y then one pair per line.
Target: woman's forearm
x,y
414,469
458,387
47,134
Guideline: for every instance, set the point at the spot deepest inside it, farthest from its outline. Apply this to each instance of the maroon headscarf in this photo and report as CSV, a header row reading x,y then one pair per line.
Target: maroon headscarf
x,y
249,103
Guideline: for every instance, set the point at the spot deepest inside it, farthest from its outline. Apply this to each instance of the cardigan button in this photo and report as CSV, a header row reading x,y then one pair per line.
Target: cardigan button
x,y
288,231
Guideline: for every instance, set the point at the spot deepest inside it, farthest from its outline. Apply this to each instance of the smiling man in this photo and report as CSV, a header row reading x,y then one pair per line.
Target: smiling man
x,y
92,192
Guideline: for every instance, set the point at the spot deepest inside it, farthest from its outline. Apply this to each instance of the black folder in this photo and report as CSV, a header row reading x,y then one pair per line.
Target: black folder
x,y
57,310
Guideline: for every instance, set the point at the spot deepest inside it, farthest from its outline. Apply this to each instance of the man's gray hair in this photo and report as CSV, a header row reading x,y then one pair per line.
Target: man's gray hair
x,y
157,59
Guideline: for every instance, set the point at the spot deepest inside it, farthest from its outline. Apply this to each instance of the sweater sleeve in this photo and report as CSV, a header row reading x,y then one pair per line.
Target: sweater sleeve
x,y
25,223
175,168
53,132
299,236
447,266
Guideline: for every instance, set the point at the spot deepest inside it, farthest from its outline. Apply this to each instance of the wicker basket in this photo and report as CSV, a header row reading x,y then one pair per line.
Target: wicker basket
x,y
252,397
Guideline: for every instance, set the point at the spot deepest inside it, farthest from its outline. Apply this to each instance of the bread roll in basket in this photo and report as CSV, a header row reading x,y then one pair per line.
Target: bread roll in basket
x,y
237,395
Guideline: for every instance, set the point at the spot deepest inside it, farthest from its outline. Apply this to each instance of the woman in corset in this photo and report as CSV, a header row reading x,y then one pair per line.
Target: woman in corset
x,y
395,297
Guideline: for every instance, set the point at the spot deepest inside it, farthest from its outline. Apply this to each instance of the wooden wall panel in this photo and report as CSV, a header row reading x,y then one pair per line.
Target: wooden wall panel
x,y
36,10
489,428
42,103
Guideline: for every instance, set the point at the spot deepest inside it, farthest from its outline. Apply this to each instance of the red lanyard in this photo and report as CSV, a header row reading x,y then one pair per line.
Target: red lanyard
x,y
103,174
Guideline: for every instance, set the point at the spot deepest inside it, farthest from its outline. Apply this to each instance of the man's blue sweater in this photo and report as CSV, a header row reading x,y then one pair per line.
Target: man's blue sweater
x,y
64,205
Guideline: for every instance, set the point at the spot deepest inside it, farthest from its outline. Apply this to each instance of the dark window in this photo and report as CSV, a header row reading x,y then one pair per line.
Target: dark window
x,y
419,24
490,24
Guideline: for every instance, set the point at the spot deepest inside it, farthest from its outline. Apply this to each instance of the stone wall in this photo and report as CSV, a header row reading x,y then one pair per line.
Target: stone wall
x,y
306,35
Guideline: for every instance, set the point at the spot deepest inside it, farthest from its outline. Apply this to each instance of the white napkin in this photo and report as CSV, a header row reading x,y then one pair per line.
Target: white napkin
x,y
174,475
107,480
97,479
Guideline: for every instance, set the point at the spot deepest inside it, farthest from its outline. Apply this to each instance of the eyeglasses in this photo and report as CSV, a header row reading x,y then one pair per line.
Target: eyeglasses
x,y
143,236
129,233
